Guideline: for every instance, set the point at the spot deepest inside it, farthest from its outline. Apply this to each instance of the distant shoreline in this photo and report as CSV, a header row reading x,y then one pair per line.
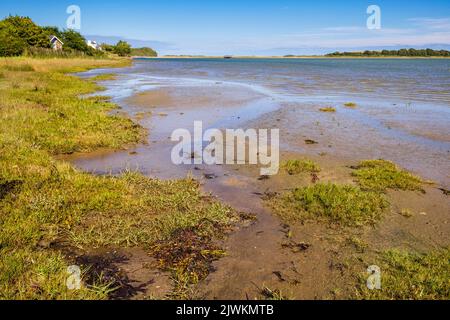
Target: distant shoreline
x,y
291,58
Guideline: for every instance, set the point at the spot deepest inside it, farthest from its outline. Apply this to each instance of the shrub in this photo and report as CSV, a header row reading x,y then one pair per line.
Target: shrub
x,y
10,44
122,48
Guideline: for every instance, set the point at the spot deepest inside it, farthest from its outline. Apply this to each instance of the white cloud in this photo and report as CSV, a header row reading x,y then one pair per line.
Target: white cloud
x,y
432,23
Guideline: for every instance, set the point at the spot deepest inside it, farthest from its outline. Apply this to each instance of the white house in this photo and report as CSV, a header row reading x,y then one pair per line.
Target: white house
x,y
93,44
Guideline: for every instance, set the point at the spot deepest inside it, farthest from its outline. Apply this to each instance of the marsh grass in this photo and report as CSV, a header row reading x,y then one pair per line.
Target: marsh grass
x,y
342,204
350,105
44,202
380,175
104,77
328,109
20,67
411,276
293,167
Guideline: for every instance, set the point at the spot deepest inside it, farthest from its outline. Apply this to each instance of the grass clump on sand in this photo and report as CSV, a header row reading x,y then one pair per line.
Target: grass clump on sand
x,y
104,77
343,204
412,276
328,109
380,175
45,202
294,167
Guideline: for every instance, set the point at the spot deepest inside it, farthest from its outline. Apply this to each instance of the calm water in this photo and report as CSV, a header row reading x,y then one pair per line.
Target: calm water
x,y
408,80
403,109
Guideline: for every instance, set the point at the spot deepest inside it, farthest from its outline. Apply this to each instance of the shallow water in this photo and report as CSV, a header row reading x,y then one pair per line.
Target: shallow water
x,y
403,102
404,122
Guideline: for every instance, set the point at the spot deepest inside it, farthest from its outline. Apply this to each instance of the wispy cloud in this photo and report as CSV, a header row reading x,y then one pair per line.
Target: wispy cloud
x,y
432,23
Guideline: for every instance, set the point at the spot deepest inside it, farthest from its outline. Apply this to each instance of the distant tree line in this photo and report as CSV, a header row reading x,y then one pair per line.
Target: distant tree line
x,y
143,52
21,36
124,49
398,53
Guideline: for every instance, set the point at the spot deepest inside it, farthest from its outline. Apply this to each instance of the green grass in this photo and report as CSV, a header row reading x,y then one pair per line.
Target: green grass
x,y
328,109
380,175
343,204
45,202
412,276
293,167
104,77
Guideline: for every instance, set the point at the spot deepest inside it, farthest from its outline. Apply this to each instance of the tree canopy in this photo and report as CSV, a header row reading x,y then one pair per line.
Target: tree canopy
x,y
20,34
74,40
25,29
122,48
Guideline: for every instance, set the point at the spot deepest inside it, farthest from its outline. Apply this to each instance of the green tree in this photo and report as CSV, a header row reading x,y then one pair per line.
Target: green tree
x,y
25,29
74,40
122,48
10,44
107,47
52,31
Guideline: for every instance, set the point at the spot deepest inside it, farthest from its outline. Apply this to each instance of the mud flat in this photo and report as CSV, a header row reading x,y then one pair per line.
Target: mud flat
x,y
273,257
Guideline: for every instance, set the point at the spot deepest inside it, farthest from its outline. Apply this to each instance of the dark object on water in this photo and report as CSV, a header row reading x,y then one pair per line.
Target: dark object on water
x,y
210,176
309,141
228,57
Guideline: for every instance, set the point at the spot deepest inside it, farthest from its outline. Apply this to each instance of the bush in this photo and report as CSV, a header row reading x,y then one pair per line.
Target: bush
x,y
10,45
75,41
25,29
122,49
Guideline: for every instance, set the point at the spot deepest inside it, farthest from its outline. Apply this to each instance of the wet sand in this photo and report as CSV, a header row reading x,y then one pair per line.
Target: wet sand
x,y
256,257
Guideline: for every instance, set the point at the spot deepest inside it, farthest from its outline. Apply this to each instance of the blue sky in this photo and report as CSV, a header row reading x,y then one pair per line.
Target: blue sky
x,y
250,27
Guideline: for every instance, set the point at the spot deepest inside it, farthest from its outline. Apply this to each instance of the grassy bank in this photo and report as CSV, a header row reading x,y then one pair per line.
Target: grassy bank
x,y
412,276
46,204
